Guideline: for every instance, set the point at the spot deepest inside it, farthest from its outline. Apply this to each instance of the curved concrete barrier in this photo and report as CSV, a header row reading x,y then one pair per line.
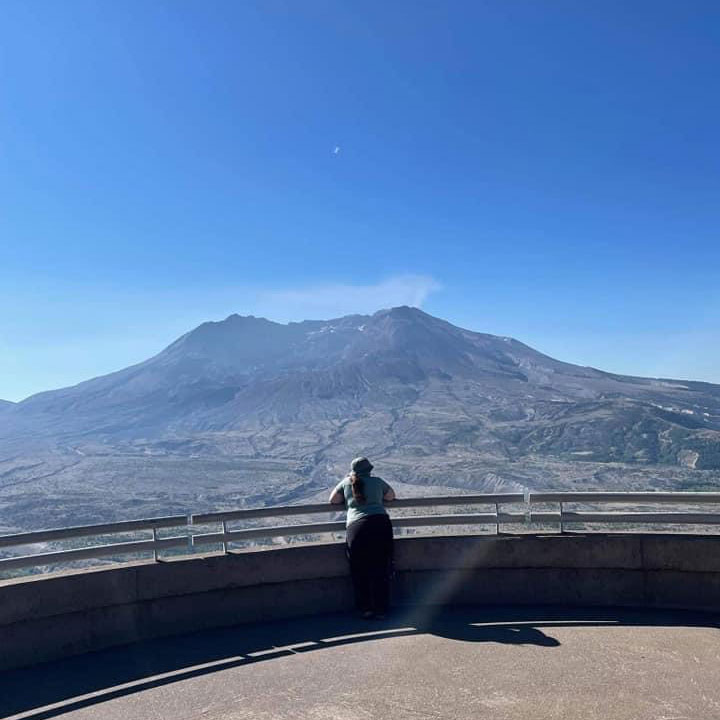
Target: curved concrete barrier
x,y
54,616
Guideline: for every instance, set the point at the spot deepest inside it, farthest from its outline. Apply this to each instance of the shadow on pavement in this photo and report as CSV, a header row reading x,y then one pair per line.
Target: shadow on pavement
x,y
51,689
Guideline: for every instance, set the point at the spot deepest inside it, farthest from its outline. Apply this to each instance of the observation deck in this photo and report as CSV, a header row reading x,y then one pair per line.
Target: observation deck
x,y
522,624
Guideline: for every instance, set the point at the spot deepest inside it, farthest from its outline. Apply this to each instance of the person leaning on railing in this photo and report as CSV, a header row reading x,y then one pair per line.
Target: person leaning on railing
x,y
369,536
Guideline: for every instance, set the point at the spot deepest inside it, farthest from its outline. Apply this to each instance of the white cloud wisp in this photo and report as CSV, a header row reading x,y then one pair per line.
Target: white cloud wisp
x,y
338,299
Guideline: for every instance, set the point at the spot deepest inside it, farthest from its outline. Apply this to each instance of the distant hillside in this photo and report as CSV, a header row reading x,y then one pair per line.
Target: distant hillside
x,y
439,384
289,404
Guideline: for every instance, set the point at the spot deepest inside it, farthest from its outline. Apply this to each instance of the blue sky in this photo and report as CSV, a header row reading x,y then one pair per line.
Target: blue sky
x,y
545,170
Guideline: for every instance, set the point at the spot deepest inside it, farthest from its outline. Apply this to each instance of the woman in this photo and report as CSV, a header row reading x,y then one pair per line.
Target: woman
x,y
369,536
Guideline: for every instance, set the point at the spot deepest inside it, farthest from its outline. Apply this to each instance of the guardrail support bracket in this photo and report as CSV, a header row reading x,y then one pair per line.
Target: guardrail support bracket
x,y
155,538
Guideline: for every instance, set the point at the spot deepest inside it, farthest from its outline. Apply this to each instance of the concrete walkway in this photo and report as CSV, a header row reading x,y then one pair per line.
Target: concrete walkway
x,y
464,663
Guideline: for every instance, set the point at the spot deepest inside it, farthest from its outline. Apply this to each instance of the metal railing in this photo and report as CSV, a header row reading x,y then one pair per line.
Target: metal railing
x,y
152,544
193,537
225,535
634,517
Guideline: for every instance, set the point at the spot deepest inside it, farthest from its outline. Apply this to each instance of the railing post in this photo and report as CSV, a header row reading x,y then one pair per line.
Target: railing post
x,y
224,528
528,506
155,537
189,534
497,519
562,529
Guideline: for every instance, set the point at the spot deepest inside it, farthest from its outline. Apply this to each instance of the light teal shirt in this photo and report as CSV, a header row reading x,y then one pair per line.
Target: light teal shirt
x,y
373,488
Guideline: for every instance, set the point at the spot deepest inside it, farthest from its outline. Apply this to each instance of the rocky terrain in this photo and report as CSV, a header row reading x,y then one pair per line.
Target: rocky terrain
x,y
248,411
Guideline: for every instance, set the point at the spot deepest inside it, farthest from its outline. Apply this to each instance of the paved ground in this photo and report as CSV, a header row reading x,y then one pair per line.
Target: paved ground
x,y
531,663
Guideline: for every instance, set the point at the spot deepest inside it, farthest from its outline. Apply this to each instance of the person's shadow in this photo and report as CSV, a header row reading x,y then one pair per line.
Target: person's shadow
x,y
508,635
462,624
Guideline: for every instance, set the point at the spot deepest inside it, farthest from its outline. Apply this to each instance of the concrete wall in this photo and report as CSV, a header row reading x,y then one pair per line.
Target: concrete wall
x,y
54,616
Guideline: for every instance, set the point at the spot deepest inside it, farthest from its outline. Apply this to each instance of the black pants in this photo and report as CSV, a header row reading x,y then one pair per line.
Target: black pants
x,y
369,550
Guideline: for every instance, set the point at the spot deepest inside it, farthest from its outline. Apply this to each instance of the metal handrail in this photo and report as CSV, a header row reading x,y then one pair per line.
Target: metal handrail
x,y
624,497
39,536
115,549
673,518
280,511
226,535
623,517
96,551
266,532
313,528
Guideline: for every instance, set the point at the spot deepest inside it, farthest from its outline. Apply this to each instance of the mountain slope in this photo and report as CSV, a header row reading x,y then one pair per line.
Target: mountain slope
x,y
250,409
250,372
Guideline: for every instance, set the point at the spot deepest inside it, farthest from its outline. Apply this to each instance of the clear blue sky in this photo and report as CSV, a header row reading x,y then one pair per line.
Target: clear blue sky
x,y
545,170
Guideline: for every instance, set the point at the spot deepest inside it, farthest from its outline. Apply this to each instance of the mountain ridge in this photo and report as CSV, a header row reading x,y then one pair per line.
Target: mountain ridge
x,y
223,373
246,408
303,326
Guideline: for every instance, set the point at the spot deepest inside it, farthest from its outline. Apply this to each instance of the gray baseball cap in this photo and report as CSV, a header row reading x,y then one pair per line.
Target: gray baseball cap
x,y
361,466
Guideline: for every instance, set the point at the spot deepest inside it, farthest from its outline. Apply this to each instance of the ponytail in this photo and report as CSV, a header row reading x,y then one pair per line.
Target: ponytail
x,y
358,486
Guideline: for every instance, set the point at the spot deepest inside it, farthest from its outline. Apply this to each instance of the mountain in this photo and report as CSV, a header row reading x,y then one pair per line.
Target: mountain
x,y
290,404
